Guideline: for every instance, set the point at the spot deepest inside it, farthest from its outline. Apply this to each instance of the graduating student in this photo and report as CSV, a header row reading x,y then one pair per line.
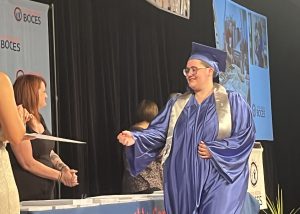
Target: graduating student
x,y
207,135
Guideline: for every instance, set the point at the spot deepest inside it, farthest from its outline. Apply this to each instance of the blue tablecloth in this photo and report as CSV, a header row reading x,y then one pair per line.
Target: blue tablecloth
x,y
251,206
150,206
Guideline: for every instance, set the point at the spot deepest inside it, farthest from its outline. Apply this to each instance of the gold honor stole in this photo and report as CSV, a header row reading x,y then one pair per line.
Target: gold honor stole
x,y
223,113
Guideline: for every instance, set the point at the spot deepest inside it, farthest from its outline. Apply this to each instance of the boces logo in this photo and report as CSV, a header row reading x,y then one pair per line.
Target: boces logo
x,y
18,14
27,16
253,173
11,44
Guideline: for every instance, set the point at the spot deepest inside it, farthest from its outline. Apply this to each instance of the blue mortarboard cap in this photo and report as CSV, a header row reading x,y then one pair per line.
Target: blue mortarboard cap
x,y
214,57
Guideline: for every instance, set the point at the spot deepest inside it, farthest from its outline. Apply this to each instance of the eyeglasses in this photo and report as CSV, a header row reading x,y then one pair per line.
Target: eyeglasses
x,y
192,69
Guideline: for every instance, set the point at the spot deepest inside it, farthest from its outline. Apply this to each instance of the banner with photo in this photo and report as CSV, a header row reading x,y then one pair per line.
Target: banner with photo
x,y
242,33
177,7
24,42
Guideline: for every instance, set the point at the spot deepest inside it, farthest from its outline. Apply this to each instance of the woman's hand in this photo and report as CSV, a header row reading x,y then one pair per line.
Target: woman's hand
x,y
69,177
24,114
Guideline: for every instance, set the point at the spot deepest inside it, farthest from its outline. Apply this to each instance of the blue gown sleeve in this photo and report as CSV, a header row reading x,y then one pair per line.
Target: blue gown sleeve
x,y
230,155
149,142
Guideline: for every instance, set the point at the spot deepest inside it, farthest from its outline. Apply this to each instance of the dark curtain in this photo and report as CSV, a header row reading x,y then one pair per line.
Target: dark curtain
x,y
112,54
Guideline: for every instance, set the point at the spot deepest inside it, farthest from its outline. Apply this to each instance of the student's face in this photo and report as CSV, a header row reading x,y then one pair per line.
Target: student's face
x,y
201,78
42,95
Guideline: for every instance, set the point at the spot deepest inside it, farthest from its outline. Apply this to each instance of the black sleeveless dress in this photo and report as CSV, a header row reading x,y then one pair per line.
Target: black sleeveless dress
x,y
30,186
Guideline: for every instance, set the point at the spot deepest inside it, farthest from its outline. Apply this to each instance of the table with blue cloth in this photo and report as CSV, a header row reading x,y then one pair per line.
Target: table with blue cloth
x,y
143,205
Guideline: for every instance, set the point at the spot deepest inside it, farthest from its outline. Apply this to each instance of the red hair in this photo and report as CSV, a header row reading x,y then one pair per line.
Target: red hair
x,y
26,89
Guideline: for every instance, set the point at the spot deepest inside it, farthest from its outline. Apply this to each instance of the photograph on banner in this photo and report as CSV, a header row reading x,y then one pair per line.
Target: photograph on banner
x,y
177,7
242,33
258,40
235,43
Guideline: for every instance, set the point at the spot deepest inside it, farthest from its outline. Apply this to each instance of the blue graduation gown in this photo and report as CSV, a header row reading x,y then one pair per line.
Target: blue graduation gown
x,y
193,184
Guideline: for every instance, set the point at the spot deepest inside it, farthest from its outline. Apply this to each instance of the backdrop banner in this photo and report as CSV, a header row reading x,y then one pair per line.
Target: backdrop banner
x,y
243,34
24,42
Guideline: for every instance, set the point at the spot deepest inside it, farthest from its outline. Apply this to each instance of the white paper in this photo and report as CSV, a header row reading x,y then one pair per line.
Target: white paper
x,y
57,202
36,208
48,137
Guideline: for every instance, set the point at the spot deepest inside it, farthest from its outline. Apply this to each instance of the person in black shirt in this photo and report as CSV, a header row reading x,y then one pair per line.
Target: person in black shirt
x,y
150,179
35,165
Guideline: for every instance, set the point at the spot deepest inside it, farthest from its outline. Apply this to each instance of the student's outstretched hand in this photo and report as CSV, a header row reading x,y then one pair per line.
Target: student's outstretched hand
x,y
126,138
